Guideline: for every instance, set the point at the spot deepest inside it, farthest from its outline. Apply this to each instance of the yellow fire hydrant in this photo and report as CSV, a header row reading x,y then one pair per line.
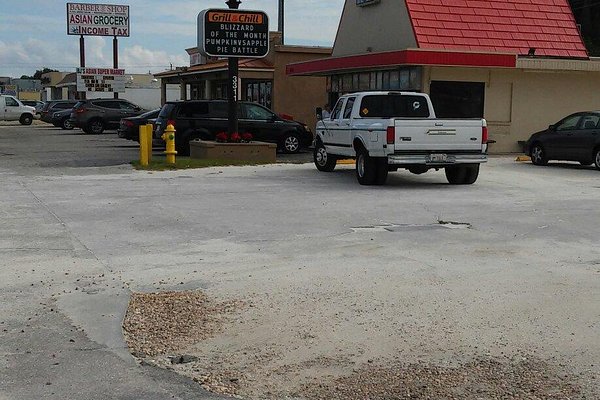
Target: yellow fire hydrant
x,y
169,137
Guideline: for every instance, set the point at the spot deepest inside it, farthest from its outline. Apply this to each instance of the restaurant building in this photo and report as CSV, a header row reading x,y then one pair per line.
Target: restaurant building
x,y
263,80
520,64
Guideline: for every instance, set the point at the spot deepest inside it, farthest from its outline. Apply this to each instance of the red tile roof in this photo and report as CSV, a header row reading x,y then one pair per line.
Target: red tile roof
x,y
508,26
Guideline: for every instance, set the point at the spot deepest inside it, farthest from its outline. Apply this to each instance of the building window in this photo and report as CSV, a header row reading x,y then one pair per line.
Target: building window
x,y
458,99
406,78
260,92
364,81
197,90
219,90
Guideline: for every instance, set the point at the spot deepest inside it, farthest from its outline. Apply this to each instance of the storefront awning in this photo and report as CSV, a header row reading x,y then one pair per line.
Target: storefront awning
x,y
328,66
244,64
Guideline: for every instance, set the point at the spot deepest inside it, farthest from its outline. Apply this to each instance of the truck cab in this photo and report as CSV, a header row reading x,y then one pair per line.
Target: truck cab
x,y
11,109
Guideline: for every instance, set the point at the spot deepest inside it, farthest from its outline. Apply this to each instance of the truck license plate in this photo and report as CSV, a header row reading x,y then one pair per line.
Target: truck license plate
x,y
438,157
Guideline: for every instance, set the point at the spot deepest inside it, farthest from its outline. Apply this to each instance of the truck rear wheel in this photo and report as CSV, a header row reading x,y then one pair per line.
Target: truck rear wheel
x,y
462,174
366,168
323,161
472,174
382,170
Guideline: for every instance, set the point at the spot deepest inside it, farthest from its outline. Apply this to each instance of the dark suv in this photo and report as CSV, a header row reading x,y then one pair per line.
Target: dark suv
x,y
203,119
50,107
96,115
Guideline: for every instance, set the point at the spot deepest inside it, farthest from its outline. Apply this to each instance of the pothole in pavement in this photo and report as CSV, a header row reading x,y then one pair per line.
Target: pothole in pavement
x,y
411,227
167,322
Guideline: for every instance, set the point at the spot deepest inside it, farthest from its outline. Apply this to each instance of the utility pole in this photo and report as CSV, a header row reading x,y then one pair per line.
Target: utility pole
x,y
82,95
281,20
232,86
115,60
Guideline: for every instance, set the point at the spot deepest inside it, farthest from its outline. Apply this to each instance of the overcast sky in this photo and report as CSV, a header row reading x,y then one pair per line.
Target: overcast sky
x,y
33,32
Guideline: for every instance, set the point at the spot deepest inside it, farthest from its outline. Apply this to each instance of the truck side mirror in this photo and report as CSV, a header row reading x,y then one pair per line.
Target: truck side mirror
x,y
319,112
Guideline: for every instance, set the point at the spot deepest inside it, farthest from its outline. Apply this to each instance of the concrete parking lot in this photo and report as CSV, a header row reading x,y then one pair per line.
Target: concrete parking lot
x,y
335,276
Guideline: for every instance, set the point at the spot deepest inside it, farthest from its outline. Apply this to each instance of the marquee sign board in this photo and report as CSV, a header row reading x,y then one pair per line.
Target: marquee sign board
x,y
97,19
101,80
233,33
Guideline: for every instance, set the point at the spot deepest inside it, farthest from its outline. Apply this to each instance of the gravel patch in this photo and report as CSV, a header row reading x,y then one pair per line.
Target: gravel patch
x,y
167,322
521,378
167,329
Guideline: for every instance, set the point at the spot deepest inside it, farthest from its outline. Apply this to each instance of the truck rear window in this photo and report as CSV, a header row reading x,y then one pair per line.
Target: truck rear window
x,y
394,106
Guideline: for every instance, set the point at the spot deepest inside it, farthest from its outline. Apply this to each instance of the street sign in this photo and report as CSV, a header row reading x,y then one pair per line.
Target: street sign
x,y
101,80
97,19
233,33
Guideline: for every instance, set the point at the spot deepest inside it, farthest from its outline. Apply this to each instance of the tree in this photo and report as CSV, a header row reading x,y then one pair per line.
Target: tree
x,y
38,75
39,72
587,15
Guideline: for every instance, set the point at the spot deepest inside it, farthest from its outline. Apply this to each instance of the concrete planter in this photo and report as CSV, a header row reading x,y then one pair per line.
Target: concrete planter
x,y
255,151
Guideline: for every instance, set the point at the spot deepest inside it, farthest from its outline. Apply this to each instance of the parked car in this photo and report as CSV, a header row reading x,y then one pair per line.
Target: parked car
x,y
96,115
35,104
61,119
204,119
11,109
53,106
574,138
129,127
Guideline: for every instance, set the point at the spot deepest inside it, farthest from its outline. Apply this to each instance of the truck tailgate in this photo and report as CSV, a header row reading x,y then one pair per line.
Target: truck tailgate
x,y
438,134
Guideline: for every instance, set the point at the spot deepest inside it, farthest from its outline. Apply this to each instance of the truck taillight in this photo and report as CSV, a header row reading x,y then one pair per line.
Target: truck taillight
x,y
171,122
391,135
484,135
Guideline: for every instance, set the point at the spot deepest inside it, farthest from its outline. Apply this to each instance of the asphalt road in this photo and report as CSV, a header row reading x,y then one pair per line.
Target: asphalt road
x,y
47,150
80,229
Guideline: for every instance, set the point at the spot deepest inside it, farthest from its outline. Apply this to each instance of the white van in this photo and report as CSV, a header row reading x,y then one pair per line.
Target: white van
x,y
11,109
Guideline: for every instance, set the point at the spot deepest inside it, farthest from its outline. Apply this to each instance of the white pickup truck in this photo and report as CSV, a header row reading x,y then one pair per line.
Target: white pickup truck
x,y
11,109
385,131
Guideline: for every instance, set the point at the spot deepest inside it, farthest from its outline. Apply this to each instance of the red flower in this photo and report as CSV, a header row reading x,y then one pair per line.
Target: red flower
x,y
247,137
222,137
235,138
